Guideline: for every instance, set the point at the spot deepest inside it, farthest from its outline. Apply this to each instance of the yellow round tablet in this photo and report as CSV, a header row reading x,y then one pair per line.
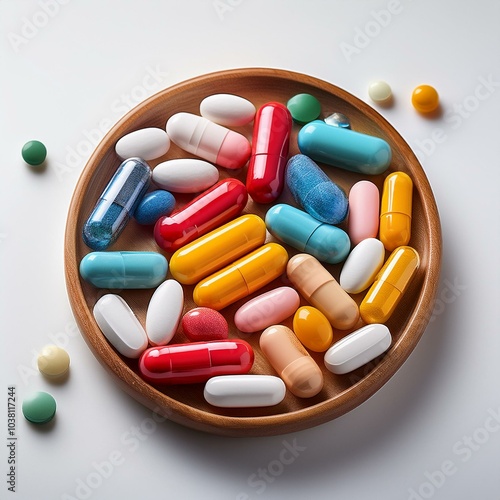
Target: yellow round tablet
x,y
53,361
425,99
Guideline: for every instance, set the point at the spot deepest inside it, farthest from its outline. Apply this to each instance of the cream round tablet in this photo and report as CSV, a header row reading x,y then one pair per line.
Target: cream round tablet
x,y
380,92
53,361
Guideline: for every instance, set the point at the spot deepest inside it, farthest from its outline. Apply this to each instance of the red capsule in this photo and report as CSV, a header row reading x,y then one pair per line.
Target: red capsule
x,y
271,137
195,362
216,206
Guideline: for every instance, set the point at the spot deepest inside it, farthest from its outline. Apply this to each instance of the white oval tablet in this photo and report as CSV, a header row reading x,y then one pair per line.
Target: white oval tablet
x,y
358,348
227,109
244,391
164,312
185,175
146,143
120,326
362,265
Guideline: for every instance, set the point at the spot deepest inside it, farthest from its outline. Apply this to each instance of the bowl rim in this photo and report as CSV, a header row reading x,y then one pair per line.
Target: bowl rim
x,y
300,419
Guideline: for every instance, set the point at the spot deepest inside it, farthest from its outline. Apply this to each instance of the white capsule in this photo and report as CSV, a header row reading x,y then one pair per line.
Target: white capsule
x,y
362,265
227,109
145,143
164,312
185,175
120,326
358,348
244,391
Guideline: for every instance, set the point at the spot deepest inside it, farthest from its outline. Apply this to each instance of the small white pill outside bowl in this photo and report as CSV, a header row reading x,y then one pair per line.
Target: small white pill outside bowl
x,y
146,143
244,391
358,348
120,326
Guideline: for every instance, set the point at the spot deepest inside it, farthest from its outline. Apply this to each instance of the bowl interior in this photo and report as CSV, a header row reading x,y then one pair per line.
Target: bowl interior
x,y
341,393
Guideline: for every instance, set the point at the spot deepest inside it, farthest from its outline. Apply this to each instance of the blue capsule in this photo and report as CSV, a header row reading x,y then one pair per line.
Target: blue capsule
x,y
298,229
154,205
314,191
117,204
124,270
344,148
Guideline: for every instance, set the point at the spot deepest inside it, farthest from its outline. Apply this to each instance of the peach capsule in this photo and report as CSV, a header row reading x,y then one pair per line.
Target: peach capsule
x,y
294,365
321,289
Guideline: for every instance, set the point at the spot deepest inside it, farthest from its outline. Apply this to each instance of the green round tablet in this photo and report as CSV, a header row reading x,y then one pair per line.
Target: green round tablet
x,y
39,408
34,153
304,108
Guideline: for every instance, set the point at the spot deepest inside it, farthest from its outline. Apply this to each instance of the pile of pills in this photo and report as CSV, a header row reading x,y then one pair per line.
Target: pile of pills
x,y
224,253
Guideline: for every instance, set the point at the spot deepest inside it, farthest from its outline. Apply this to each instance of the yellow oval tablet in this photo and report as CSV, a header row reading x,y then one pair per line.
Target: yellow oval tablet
x,y
312,328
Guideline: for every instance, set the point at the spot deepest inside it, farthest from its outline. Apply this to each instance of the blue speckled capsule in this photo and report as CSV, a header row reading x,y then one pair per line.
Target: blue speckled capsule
x,y
344,148
116,204
298,229
154,205
314,191
124,270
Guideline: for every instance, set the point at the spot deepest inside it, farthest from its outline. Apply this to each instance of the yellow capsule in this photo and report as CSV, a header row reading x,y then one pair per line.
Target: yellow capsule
x,y
243,277
390,285
395,211
217,249
313,328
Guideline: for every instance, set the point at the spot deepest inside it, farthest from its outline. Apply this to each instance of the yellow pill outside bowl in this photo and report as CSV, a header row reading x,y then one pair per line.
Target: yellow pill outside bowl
x,y
53,361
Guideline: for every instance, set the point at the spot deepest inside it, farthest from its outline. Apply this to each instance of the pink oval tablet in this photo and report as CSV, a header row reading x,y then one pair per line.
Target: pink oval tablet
x,y
270,308
203,324
364,210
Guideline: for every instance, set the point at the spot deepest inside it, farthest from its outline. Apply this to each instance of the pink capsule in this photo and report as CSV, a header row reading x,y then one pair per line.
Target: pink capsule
x,y
364,209
267,309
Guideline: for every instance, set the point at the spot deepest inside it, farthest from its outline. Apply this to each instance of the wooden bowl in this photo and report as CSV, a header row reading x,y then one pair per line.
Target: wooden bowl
x,y
185,404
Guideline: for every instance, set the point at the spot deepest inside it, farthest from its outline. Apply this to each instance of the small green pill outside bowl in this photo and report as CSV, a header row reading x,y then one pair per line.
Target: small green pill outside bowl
x,y
304,108
39,408
34,153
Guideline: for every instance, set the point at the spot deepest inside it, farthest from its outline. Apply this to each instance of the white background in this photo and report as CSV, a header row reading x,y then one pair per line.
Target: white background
x,y
67,76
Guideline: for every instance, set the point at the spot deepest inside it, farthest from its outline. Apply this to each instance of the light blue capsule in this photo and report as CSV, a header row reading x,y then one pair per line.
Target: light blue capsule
x,y
124,269
298,229
344,148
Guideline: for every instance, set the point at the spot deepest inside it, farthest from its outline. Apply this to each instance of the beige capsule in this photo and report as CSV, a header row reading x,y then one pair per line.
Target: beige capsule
x,y
292,362
321,289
